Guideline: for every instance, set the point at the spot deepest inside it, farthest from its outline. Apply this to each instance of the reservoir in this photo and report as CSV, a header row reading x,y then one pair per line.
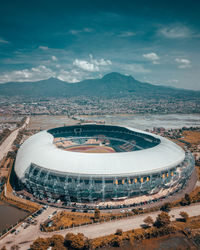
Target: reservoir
x,y
9,215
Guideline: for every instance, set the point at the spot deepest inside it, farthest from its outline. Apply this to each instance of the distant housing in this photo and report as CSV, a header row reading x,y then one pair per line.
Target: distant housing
x,y
98,162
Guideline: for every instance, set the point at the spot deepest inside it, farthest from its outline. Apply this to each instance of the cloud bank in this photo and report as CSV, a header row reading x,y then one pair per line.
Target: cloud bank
x,y
153,57
33,74
183,63
92,64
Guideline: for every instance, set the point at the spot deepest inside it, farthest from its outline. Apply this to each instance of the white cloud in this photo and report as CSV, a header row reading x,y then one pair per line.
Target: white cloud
x,y
100,62
85,65
152,57
68,76
4,41
183,63
85,30
33,74
54,58
176,31
91,65
127,34
43,47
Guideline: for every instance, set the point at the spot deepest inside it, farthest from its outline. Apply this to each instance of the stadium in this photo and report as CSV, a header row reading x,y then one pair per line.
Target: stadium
x,y
88,163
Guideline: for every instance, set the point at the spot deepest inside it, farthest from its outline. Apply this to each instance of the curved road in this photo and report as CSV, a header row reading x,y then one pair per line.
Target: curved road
x,y
27,236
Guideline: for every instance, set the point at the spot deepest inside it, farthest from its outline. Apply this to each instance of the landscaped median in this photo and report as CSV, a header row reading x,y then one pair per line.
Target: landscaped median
x,y
65,219
189,228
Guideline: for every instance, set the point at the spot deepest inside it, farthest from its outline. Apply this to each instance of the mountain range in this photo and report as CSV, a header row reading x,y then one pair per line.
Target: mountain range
x,y
111,85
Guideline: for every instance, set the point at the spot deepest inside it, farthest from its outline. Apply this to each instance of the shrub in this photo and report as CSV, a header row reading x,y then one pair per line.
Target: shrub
x,y
184,216
162,220
40,244
186,200
148,221
15,247
56,240
97,214
119,232
116,241
166,207
76,241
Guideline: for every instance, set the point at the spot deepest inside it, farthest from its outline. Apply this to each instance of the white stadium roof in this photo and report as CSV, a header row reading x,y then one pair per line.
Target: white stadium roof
x,y
40,150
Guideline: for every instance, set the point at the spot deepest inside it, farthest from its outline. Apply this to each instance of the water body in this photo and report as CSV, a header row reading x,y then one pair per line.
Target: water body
x,y
150,121
9,215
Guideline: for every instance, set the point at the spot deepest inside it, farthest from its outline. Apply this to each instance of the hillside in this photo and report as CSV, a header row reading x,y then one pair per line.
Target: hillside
x,y
111,85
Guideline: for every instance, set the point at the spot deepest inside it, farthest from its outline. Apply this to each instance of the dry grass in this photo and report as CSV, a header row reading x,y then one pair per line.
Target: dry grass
x,y
66,219
192,223
192,137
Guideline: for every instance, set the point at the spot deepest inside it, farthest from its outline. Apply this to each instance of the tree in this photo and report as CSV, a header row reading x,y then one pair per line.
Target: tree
x,y
148,221
119,232
116,241
186,200
15,247
57,242
75,241
162,220
184,216
97,214
166,207
40,244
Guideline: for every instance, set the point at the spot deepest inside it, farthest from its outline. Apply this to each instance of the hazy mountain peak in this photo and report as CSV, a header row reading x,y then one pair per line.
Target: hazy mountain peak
x,y
116,76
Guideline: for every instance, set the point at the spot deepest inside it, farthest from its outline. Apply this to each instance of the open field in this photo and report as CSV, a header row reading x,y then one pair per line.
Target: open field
x,y
47,121
192,137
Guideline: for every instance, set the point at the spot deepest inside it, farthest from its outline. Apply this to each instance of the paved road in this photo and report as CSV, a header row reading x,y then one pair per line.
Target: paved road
x,y
5,147
27,236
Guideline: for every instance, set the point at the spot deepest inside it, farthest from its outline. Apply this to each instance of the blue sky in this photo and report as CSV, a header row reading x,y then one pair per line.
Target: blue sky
x,y
154,41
